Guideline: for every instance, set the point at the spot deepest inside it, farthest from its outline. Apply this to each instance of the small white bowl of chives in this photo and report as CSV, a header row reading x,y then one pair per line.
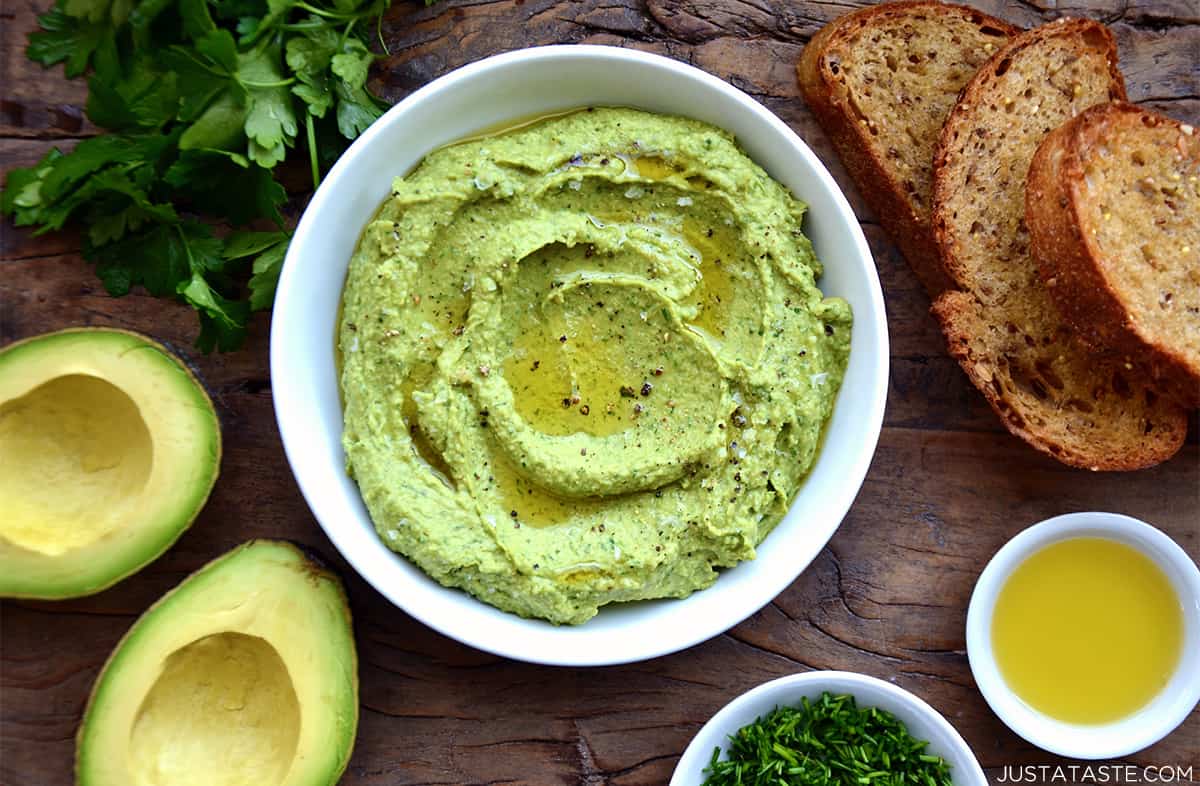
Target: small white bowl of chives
x,y
1083,635
917,735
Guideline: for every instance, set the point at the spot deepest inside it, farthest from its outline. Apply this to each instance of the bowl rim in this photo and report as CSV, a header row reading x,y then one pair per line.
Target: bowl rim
x,y
863,687
1147,725
287,399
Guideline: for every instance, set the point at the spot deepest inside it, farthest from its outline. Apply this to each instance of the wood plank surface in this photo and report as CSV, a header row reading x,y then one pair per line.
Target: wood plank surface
x,y
887,597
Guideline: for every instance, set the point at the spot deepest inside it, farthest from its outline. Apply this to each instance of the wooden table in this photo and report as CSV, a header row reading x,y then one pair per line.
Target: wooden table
x,y
887,597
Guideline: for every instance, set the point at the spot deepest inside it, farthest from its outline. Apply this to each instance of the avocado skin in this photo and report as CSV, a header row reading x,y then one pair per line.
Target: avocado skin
x,y
287,557
194,388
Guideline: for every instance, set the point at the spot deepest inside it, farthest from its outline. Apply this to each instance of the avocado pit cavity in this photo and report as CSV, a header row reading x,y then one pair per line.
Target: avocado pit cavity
x,y
223,712
77,454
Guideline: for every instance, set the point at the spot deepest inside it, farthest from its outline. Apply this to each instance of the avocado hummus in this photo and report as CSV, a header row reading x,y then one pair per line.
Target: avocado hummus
x,y
585,361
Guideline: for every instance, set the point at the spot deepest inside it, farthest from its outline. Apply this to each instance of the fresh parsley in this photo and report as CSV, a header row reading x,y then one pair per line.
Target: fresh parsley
x,y
201,101
830,742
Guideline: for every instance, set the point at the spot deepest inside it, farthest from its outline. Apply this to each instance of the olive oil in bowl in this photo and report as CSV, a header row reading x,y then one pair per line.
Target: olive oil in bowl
x,y
1087,630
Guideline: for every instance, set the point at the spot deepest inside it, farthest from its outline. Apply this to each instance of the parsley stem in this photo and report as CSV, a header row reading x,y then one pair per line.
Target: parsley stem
x,y
299,27
187,250
325,13
280,83
379,34
312,149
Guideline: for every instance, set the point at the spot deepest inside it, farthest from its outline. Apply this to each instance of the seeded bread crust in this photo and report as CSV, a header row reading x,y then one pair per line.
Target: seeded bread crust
x,y
1113,209
880,82
1001,324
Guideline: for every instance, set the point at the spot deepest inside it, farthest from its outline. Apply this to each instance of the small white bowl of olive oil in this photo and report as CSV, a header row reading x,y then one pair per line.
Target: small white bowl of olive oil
x,y
1083,635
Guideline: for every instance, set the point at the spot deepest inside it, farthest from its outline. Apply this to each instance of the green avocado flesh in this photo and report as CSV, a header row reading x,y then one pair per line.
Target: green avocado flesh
x,y
243,675
108,450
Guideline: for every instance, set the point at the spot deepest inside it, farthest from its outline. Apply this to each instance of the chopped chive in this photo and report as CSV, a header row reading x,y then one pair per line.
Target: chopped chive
x,y
829,741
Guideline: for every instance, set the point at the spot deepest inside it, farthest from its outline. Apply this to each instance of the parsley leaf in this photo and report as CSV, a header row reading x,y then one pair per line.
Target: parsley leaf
x,y
115,11
356,110
309,55
268,250
270,121
218,46
202,71
91,175
221,125
143,99
154,258
22,198
203,178
89,157
267,267
201,100
119,205
352,63
196,19
64,37
222,320
239,245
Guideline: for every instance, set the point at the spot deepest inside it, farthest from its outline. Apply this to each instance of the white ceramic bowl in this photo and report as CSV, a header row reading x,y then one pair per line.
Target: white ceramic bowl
x,y
1101,741
484,95
921,720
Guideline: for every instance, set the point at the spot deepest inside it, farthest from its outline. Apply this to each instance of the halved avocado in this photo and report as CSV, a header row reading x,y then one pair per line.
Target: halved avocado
x,y
243,675
108,450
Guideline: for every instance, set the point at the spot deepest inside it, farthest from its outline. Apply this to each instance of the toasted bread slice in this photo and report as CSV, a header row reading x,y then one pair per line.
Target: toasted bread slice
x,y
1001,325
880,82
1113,208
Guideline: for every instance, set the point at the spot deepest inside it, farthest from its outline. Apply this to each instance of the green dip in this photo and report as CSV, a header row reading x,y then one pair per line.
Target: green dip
x,y
585,361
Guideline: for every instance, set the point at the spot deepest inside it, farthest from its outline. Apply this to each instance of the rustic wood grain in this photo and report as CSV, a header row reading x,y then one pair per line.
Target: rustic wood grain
x,y
948,486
